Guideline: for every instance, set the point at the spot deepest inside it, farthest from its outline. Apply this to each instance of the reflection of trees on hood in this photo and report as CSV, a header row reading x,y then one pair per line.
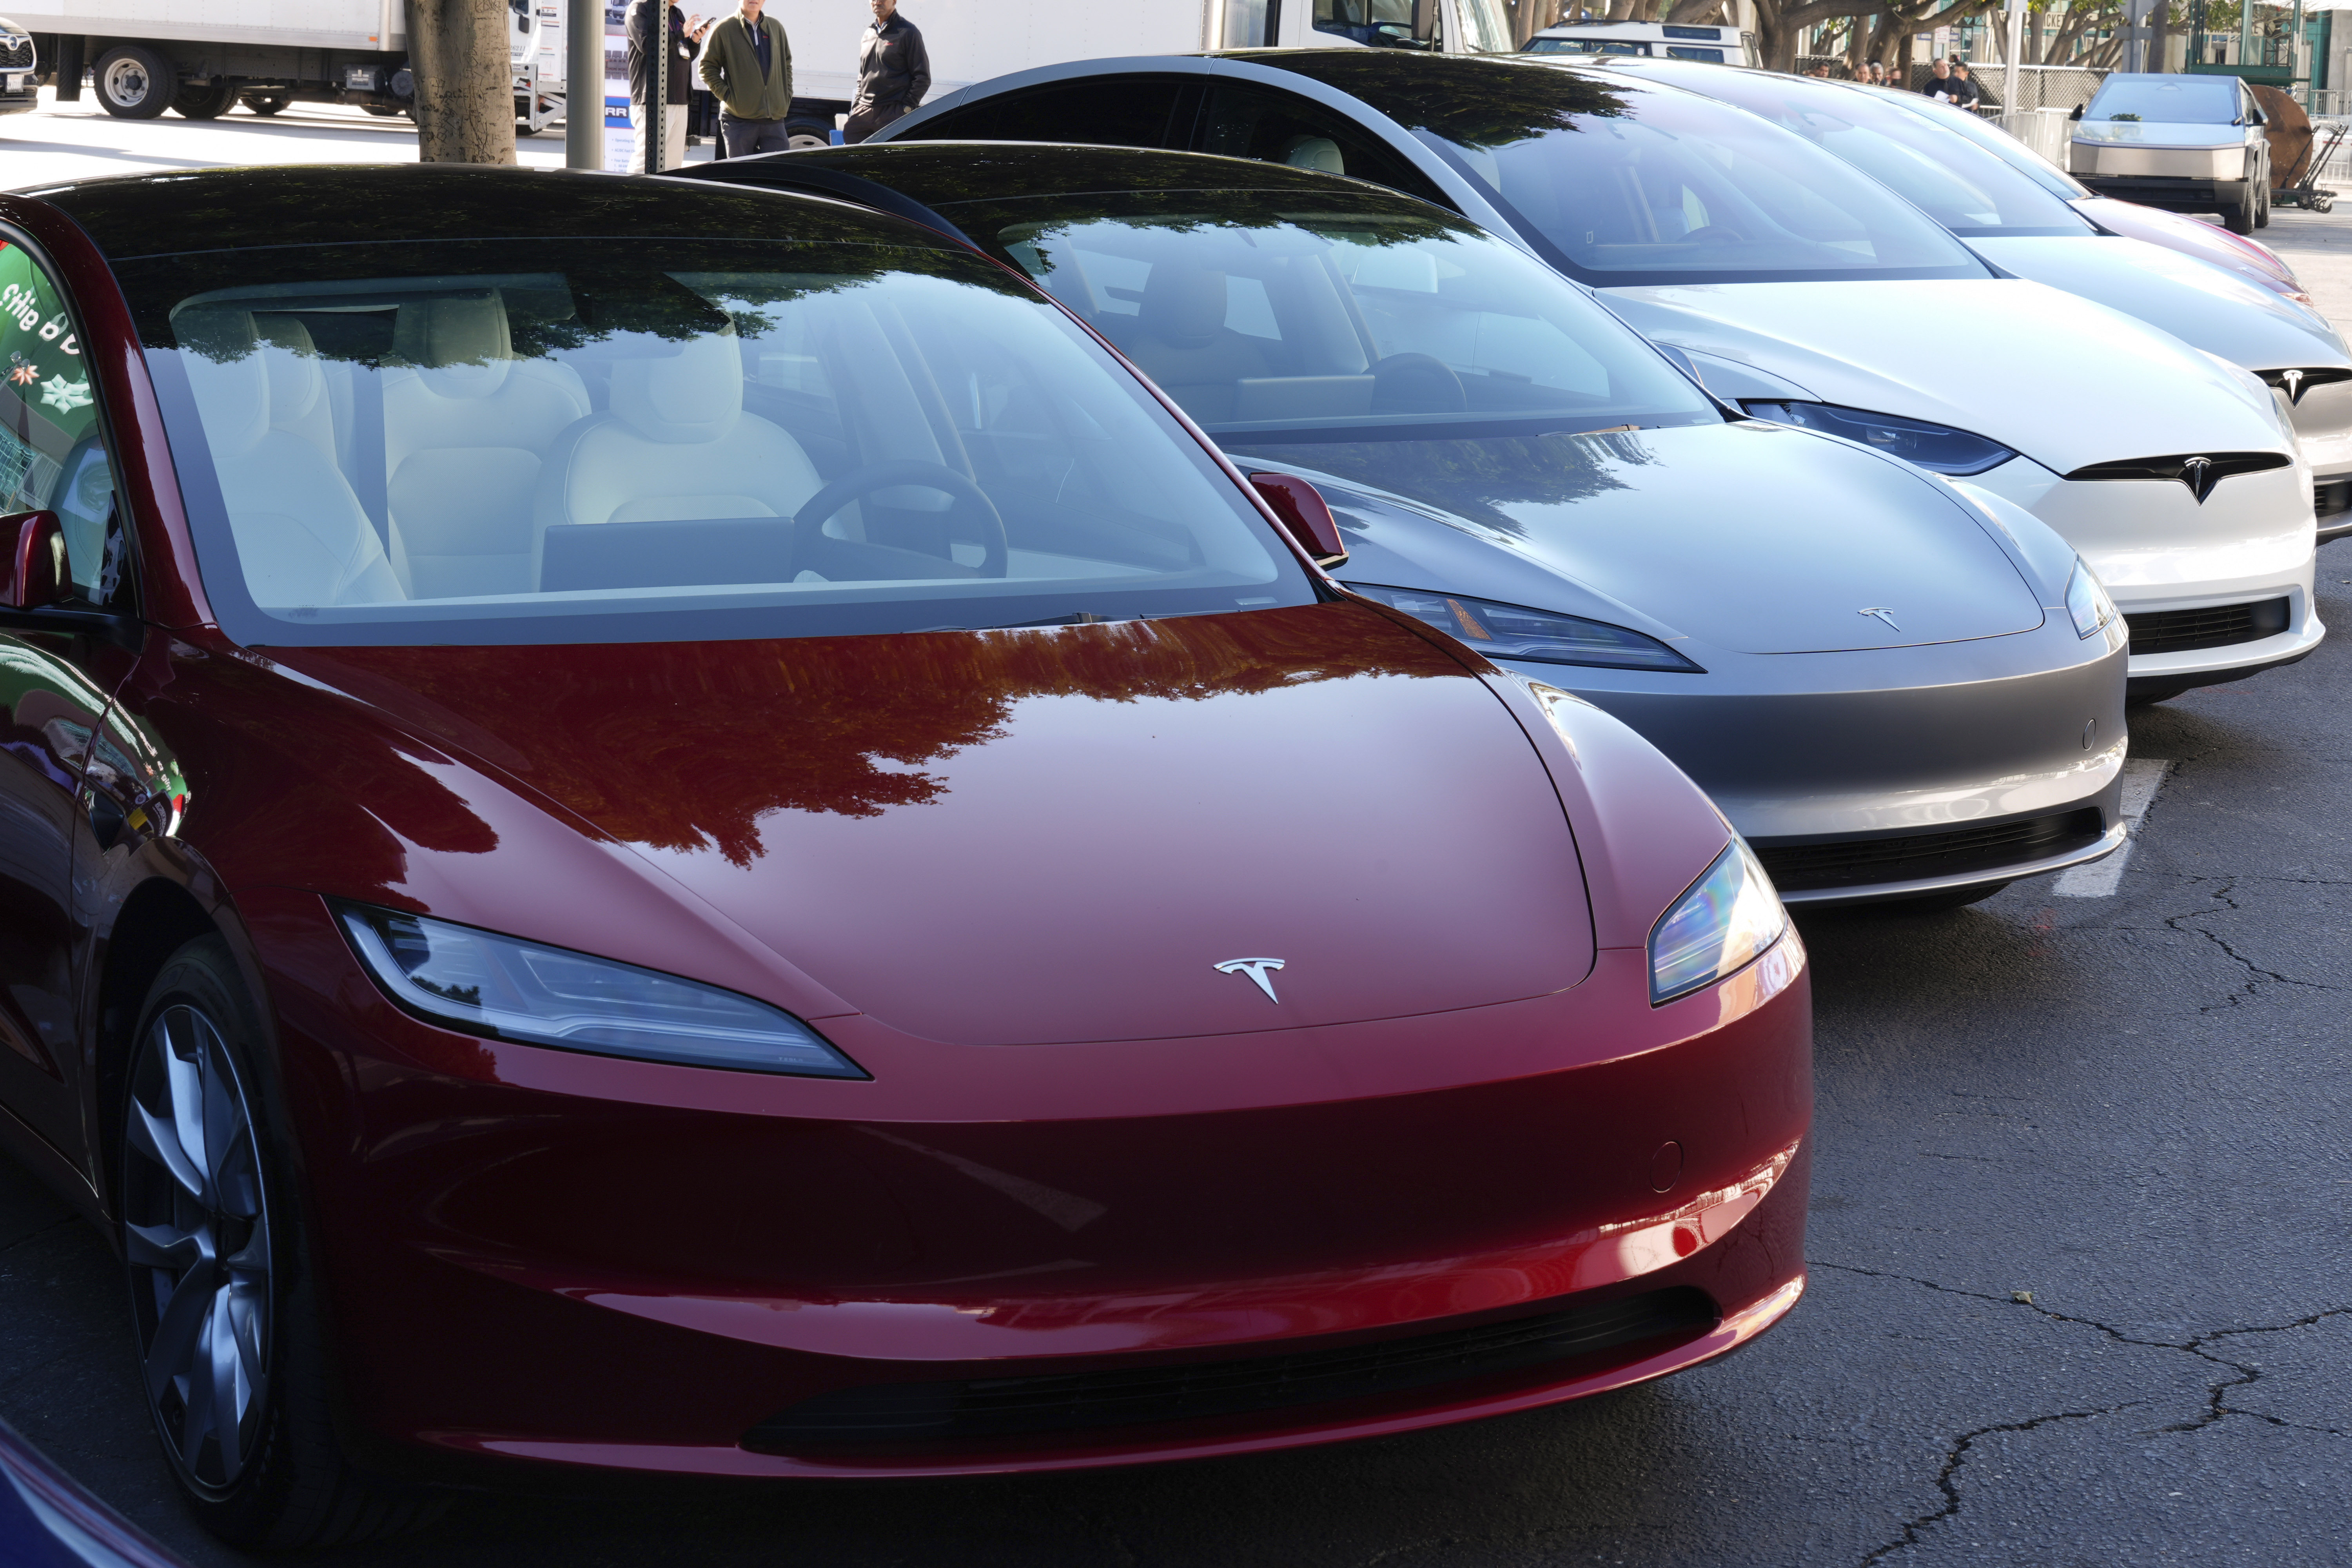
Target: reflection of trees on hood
x,y
1473,102
686,746
1478,480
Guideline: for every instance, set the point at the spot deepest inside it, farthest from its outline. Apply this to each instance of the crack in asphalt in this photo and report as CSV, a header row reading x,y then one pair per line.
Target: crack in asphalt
x,y
2223,893
1957,1455
2215,1391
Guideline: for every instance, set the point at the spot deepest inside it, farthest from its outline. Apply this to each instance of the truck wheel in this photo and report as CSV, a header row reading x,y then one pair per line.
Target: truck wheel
x,y
201,100
2262,212
266,103
2239,219
135,82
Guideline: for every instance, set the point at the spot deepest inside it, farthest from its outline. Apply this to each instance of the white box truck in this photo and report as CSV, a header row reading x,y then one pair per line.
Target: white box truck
x,y
974,40
200,57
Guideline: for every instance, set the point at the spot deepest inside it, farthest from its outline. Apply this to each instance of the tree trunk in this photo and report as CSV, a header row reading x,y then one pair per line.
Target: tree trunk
x,y
465,81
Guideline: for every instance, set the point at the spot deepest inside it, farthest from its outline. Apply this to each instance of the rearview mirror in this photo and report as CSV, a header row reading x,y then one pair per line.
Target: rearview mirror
x,y
34,561
1305,515
2077,114
1425,21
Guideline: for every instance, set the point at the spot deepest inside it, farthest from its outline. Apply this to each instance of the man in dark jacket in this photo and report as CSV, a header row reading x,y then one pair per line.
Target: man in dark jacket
x,y
683,35
749,65
894,71
1962,91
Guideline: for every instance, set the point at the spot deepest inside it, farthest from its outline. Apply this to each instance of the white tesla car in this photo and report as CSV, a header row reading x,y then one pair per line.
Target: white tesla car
x,y
1797,288
1923,153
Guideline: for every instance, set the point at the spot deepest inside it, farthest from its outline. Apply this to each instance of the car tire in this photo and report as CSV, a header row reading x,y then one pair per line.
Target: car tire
x,y
266,103
216,1253
135,82
2239,219
204,100
2262,212
1938,904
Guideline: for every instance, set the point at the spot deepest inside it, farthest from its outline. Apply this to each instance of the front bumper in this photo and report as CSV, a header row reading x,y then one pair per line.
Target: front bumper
x,y
2172,192
1860,749
2159,549
534,1255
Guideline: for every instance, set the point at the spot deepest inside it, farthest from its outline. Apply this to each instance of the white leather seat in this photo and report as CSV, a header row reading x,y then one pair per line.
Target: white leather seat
x,y
466,428
675,446
301,534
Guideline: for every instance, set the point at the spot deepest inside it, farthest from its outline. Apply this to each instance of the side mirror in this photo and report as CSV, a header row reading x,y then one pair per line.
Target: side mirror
x,y
1425,21
1306,515
35,562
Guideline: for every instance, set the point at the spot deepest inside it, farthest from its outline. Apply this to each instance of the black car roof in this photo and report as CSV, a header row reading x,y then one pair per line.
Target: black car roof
x,y
940,173
237,209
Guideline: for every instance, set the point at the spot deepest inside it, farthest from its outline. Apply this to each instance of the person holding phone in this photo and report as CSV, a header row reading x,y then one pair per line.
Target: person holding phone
x,y
685,38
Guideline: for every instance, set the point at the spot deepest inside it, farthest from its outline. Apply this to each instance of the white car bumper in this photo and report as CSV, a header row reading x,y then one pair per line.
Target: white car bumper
x,y
2163,556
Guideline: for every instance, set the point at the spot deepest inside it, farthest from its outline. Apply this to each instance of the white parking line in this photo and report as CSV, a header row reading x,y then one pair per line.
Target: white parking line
x,y
2143,776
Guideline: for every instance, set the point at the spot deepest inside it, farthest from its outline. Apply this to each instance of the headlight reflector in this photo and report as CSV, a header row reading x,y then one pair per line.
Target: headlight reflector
x,y
502,987
2087,601
1542,636
1729,918
1939,447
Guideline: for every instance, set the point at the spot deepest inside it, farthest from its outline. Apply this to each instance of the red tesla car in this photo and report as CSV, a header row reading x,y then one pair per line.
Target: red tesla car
x,y
677,828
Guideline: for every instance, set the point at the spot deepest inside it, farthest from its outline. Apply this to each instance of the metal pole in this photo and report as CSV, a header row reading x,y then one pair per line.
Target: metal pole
x,y
658,112
2295,71
2016,45
583,84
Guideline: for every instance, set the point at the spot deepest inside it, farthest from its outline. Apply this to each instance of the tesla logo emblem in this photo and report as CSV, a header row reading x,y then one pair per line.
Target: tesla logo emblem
x,y
2292,379
1881,613
2198,474
1256,969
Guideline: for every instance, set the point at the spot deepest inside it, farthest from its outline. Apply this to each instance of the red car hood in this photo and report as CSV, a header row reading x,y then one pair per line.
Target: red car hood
x,y
1054,835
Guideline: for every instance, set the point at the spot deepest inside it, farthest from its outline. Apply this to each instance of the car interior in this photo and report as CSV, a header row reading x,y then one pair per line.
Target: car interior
x,y
443,439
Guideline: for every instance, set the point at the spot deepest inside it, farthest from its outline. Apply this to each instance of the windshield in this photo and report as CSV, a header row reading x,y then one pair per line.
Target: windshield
x,y
1957,183
1261,318
1485,29
2165,100
594,440
1626,184
1989,137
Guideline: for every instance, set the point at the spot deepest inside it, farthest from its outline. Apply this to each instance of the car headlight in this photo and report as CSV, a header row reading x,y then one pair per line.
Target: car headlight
x,y
1545,636
2087,601
1729,918
1939,447
509,989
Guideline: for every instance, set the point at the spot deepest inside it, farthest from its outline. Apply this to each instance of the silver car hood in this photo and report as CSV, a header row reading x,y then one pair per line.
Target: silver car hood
x,y
2196,302
1746,537
2064,381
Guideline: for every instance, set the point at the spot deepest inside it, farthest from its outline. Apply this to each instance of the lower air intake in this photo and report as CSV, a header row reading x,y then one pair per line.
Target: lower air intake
x,y
2216,626
1917,857
2330,497
982,1408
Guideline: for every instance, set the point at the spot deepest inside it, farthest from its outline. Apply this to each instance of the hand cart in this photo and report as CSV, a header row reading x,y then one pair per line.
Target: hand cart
x,y
2299,186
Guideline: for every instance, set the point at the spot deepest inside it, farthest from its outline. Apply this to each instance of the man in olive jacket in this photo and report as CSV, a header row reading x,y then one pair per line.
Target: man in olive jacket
x,y
747,63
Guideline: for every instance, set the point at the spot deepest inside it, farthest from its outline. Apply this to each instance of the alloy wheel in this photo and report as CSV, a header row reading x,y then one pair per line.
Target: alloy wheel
x,y
196,1233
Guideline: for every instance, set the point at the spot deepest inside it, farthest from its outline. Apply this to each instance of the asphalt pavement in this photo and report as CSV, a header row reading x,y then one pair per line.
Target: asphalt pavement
x,y
2081,1289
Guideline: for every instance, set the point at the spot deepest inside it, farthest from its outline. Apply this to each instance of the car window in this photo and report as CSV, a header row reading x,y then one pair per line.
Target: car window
x,y
1259,315
1247,121
1952,180
1379,23
1986,136
53,452
595,440
1107,112
1620,183
2167,100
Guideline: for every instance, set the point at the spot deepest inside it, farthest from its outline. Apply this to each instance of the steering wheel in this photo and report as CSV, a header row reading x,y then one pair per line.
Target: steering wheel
x,y
970,503
1417,383
1715,233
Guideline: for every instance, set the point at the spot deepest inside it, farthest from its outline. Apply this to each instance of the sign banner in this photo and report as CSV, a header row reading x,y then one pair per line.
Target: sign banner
x,y
620,136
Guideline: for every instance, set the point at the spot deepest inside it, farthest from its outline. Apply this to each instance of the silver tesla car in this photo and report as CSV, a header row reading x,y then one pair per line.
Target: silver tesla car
x,y
1898,687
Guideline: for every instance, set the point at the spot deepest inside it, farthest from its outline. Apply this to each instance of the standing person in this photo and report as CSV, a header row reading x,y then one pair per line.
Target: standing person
x,y
1963,89
894,71
1938,84
747,66
685,34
